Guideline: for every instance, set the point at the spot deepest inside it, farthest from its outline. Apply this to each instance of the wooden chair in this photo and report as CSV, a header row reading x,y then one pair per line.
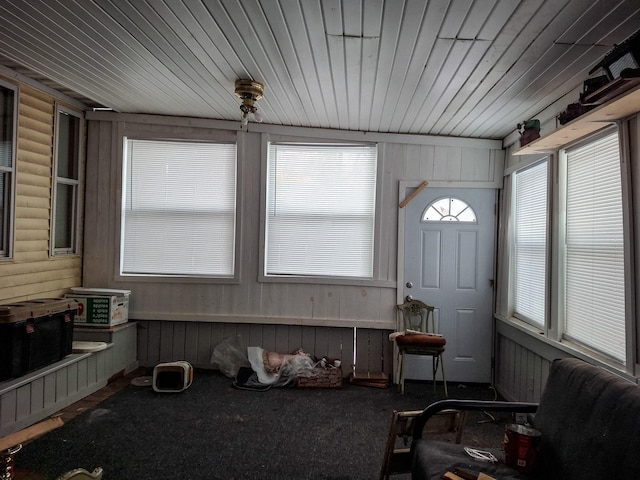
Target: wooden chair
x,y
419,338
397,454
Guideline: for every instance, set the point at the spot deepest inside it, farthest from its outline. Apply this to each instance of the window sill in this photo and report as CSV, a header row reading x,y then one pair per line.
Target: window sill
x,y
177,279
356,282
135,315
565,346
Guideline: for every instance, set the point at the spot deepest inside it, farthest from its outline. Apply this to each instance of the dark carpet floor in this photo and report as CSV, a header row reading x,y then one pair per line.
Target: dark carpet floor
x,y
213,431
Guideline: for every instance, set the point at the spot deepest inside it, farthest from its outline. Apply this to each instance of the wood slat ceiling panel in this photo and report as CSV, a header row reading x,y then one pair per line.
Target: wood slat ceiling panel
x,y
471,68
417,70
550,68
517,53
161,46
311,48
70,59
255,31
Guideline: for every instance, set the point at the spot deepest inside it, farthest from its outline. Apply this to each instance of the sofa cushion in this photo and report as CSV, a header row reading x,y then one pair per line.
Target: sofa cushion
x,y
433,458
421,340
590,424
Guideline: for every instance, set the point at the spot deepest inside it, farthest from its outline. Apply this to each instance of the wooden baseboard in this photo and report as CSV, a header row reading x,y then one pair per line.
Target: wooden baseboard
x,y
370,379
30,433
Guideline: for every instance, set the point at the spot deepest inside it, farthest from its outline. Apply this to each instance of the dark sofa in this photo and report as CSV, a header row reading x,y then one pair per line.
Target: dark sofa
x,y
590,424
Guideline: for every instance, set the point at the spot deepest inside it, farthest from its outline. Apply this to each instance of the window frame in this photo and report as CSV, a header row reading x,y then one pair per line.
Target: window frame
x,y
553,334
7,231
512,243
560,257
76,184
375,280
216,137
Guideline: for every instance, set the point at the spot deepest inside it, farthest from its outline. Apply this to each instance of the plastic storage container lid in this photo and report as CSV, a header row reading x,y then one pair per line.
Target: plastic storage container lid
x,y
39,307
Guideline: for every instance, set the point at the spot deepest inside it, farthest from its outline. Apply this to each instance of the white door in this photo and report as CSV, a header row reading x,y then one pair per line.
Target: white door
x,y
449,255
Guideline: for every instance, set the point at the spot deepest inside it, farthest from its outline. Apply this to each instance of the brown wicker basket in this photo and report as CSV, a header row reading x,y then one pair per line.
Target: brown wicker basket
x,y
322,378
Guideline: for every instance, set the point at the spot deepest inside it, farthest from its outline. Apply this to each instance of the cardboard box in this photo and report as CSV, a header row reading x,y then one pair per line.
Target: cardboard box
x,y
99,307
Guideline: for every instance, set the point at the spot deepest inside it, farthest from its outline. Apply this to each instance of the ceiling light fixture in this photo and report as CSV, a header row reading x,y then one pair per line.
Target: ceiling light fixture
x,y
249,92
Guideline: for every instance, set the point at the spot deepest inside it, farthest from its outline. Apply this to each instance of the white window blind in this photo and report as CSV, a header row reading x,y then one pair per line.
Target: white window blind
x,y
530,243
179,208
594,284
320,210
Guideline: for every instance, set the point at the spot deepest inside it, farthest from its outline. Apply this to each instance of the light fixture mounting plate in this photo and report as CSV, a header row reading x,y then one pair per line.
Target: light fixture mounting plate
x,y
249,89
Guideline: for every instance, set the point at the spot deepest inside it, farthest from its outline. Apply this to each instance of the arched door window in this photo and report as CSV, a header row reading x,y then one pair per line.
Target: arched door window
x,y
449,209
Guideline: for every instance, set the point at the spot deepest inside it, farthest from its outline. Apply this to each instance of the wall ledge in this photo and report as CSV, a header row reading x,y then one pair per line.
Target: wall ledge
x,y
251,319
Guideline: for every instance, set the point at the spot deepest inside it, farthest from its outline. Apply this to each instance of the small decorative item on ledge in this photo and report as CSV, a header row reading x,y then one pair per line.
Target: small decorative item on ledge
x,y
529,131
574,110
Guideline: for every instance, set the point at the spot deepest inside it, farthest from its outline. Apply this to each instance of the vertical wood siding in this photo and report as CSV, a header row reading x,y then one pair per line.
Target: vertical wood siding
x,y
185,321
522,363
36,396
165,341
369,305
122,338
32,273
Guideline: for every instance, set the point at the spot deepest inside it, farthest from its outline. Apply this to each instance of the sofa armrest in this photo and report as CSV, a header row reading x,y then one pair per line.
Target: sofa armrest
x,y
469,405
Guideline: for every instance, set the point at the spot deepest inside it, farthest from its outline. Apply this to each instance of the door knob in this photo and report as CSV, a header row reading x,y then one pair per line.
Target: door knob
x,y
408,298
409,285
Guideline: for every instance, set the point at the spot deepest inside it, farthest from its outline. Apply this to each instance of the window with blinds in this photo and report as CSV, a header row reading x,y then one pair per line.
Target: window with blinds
x,y
320,212
530,244
179,209
594,290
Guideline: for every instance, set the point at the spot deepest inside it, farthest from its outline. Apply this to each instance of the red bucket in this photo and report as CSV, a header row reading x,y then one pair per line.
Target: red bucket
x,y
521,447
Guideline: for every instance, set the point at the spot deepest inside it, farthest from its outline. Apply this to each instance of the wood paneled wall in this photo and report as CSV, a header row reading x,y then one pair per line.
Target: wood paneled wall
x,y
35,396
39,394
521,373
184,320
166,341
32,272
364,304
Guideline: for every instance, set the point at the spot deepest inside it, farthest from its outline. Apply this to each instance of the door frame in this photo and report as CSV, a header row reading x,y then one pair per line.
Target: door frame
x,y
403,185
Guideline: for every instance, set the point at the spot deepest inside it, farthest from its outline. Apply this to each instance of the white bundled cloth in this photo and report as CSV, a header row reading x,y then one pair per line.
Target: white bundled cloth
x,y
276,368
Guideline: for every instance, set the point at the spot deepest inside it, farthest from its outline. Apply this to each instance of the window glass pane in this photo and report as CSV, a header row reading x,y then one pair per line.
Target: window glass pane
x,y
179,208
68,132
64,216
7,100
530,244
321,210
594,286
449,210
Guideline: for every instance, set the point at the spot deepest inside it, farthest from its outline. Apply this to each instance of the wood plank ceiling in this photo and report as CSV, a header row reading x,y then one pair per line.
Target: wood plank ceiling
x,y
469,68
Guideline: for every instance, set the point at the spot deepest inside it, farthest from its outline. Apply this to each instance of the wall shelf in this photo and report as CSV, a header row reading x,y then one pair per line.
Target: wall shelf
x,y
620,107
